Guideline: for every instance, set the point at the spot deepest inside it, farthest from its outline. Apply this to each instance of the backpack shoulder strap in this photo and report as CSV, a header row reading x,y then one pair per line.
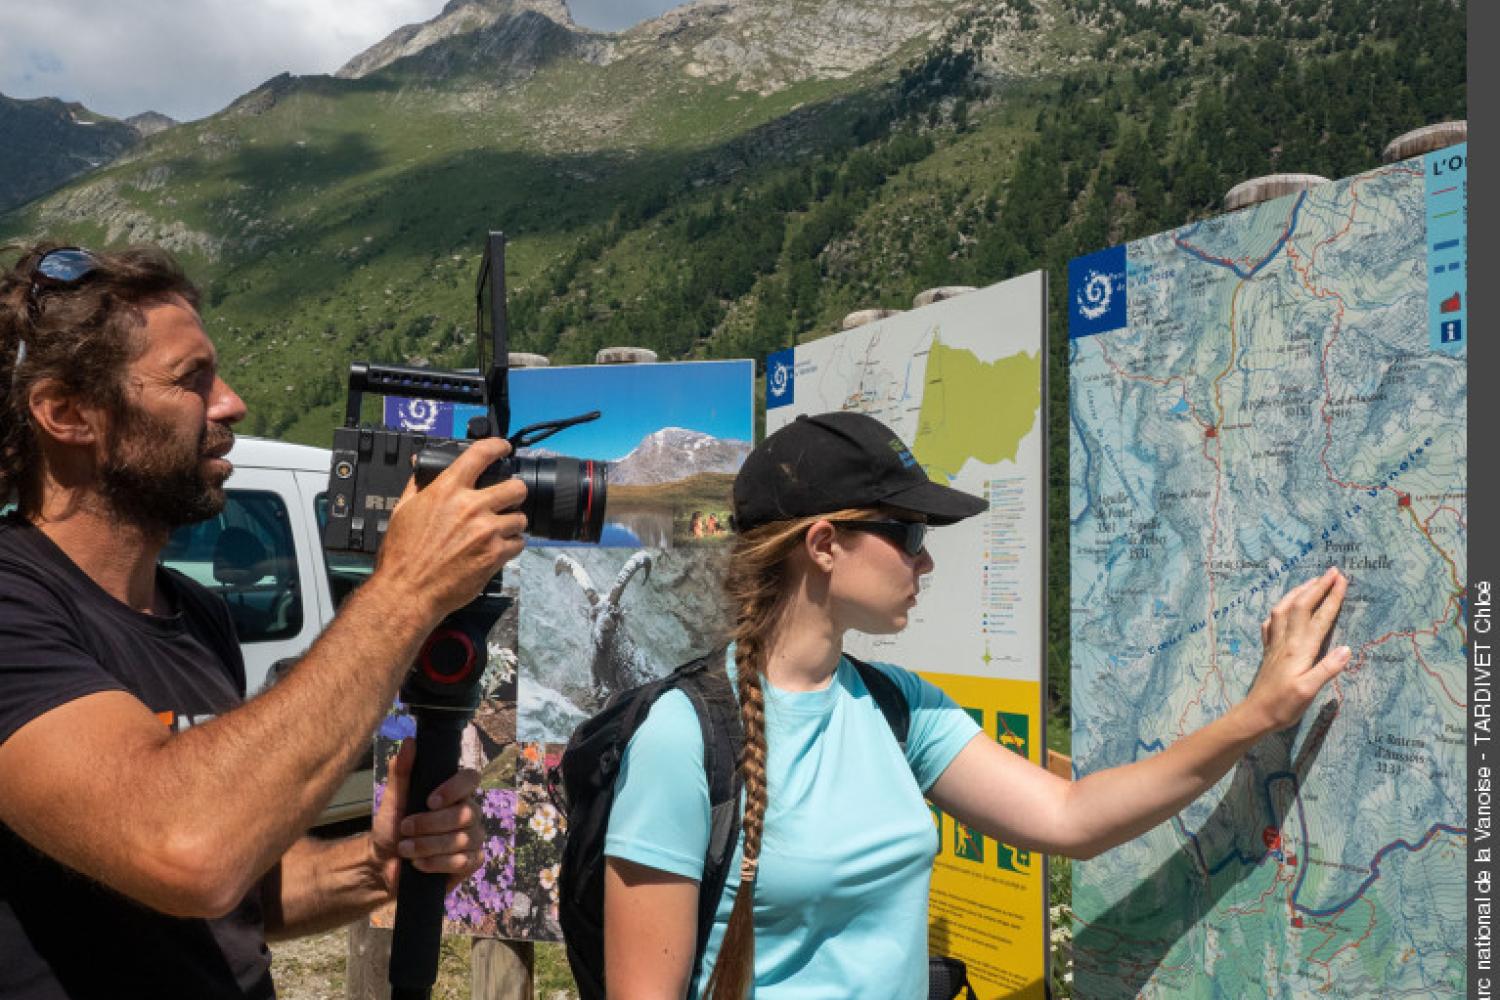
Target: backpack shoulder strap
x,y
707,687
888,697
718,712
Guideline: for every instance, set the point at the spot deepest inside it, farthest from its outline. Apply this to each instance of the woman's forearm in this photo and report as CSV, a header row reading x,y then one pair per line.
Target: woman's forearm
x,y
1114,805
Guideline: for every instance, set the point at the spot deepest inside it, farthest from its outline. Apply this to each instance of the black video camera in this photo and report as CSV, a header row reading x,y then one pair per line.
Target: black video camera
x,y
371,466
565,496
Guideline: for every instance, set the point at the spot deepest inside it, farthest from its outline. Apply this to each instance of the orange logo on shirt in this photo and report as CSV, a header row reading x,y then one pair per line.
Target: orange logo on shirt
x,y
179,723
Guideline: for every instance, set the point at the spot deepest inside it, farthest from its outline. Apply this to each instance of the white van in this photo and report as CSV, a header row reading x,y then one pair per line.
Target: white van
x,y
263,554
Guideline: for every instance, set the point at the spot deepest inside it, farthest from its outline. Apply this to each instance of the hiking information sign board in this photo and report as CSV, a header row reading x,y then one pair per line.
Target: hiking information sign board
x,y
1254,398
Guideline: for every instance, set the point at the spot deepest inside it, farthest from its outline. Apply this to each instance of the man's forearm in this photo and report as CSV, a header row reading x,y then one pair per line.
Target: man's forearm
x,y
273,763
320,885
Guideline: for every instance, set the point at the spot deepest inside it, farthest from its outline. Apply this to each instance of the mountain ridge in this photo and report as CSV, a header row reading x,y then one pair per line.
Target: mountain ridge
x,y
608,103
768,47
761,45
46,142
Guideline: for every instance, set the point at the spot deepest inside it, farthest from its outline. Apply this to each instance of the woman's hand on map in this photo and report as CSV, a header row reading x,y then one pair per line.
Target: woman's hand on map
x,y
1291,673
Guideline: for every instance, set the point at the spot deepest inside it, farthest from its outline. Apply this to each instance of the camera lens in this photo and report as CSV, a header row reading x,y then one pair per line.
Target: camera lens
x,y
565,497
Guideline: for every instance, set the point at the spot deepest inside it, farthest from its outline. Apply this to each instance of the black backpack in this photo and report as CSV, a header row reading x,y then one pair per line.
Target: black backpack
x,y
583,787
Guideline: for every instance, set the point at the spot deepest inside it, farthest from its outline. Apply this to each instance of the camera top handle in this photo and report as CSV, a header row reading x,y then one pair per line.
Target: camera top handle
x,y
412,383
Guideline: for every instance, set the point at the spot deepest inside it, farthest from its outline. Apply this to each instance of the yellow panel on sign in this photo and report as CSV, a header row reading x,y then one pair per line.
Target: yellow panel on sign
x,y
988,904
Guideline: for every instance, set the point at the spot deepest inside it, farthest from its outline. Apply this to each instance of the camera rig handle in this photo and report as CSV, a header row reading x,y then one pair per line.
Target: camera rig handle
x,y
443,688
489,387
412,383
417,939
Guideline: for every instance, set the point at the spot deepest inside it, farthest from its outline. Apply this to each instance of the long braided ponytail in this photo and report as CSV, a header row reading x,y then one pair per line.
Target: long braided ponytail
x,y
756,586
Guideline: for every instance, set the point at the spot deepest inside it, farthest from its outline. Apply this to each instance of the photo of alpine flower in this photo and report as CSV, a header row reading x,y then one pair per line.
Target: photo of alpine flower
x,y
500,669
544,821
476,906
478,902
540,830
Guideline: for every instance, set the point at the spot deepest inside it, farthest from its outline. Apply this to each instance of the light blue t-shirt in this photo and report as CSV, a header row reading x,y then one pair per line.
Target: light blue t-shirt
x,y
846,859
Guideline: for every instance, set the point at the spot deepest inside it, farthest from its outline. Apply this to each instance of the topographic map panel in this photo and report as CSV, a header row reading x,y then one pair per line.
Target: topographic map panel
x,y
1254,398
960,381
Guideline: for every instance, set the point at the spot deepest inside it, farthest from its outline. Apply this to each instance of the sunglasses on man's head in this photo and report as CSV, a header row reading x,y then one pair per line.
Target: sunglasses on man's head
x,y
61,268
911,536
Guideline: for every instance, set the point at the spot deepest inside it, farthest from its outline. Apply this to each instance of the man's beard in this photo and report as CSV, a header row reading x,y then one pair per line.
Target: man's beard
x,y
153,477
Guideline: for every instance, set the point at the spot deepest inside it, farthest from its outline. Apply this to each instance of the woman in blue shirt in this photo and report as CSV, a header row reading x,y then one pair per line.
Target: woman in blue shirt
x,y
836,846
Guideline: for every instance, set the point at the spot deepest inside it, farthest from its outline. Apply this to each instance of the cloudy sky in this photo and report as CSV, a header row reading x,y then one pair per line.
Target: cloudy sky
x,y
190,58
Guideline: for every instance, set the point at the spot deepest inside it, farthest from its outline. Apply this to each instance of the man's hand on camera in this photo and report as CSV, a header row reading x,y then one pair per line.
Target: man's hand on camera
x,y
447,540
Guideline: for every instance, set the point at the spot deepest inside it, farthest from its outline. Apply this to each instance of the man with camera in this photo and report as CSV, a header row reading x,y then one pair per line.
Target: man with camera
x,y
138,859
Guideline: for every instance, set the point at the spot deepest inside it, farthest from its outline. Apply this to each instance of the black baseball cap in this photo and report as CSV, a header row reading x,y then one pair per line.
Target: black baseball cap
x,y
833,461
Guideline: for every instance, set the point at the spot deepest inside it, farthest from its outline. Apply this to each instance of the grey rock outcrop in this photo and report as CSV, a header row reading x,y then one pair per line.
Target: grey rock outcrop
x,y
547,716
103,203
151,122
768,45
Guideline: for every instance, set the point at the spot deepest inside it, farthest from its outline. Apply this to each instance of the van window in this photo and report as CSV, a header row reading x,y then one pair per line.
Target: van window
x,y
247,556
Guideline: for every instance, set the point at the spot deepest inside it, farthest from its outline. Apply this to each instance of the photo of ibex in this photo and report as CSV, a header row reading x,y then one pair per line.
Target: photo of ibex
x,y
596,621
617,662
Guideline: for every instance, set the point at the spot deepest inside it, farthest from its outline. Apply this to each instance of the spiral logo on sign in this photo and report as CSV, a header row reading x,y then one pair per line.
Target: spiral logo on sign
x,y
1094,297
418,415
780,379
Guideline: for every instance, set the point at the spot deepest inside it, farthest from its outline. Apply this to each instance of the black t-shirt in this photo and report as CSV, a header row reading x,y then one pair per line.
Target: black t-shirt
x,y
63,935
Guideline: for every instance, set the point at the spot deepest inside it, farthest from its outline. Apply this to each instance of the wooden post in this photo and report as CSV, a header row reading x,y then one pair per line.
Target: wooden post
x,y
502,970
1060,765
369,962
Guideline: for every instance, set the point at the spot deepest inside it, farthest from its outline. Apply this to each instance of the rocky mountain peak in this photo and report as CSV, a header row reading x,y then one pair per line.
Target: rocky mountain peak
x,y
675,453
556,10
760,46
458,19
